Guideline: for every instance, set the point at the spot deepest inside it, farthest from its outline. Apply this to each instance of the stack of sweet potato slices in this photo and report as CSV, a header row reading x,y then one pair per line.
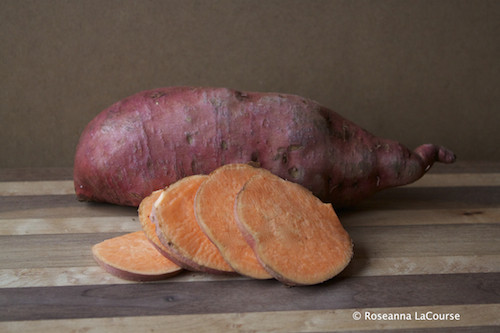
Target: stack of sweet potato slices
x,y
239,219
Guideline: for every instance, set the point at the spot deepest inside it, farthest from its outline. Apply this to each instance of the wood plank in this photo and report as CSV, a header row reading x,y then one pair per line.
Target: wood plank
x,y
41,187
61,187
473,318
428,198
69,225
56,225
169,298
94,275
404,198
388,217
425,240
53,250
423,265
73,250
56,206
461,166
461,180
91,275
36,174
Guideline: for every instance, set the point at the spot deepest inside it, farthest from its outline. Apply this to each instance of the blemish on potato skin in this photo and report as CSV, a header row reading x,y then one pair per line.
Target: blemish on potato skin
x,y
294,147
283,153
157,94
294,172
255,157
346,132
240,95
224,145
284,158
194,166
189,138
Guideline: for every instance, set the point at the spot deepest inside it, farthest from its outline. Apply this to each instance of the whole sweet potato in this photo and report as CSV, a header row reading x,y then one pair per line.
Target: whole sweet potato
x,y
153,138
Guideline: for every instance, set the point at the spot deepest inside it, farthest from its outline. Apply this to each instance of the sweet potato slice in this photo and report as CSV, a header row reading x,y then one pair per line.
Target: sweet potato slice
x,y
149,227
214,210
133,257
296,237
173,213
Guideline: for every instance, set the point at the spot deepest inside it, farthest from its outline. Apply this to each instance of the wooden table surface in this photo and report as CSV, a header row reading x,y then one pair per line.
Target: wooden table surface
x,y
427,258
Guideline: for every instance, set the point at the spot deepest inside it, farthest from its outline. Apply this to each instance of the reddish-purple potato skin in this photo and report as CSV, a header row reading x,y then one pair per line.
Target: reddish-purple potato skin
x,y
151,139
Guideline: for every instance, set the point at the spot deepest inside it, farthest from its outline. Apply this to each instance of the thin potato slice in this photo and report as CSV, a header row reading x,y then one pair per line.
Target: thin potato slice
x,y
133,257
173,213
214,210
296,237
149,227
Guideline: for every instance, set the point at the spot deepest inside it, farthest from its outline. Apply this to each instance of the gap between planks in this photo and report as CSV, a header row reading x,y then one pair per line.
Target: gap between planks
x,y
481,315
94,275
64,187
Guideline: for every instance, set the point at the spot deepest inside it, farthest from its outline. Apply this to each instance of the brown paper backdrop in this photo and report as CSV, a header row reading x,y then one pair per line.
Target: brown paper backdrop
x,y
414,71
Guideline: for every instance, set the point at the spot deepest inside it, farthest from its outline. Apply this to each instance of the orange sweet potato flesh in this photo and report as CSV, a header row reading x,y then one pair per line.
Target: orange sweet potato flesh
x,y
296,237
178,231
149,227
133,257
214,211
